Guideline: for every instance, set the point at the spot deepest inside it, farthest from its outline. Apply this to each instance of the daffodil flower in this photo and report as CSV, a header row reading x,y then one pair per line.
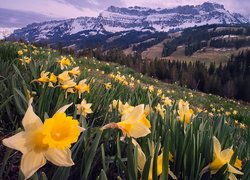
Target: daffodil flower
x,y
134,123
84,108
43,78
185,113
52,79
64,76
166,101
20,52
64,62
82,87
75,72
220,158
40,142
161,110
108,85
160,166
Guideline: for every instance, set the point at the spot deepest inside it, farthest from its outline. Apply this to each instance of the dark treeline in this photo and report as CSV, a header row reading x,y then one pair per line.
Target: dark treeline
x,y
207,36
231,80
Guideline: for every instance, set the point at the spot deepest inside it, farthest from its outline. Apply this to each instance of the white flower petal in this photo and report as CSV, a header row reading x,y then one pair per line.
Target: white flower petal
x,y
59,157
217,146
234,170
31,162
30,120
17,142
64,108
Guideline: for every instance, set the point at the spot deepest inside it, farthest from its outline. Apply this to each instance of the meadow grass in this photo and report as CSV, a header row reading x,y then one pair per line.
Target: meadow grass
x,y
103,153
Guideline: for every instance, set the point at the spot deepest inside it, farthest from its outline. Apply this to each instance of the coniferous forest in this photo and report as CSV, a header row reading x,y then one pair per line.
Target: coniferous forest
x,y
227,80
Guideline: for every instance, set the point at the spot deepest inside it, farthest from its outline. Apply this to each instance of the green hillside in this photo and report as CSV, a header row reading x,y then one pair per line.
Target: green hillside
x,y
135,127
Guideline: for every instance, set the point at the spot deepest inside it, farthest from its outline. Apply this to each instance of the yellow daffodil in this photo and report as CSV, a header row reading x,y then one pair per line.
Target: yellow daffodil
x,y
160,167
43,77
84,108
27,60
40,142
52,79
64,76
64,62
61,131
75,72
20,52
161,110
242,126
167,101
68,84
108,85
134,123
159,92
220,158
184,112
151,88
235,112
114,105
82,87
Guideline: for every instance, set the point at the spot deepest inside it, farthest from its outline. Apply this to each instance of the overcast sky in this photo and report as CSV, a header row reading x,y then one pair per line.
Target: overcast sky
x,y
76,8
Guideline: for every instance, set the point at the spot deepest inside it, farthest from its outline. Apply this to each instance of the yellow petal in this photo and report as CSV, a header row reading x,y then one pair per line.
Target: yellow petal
x,y
141,155
232,177
59,157
31,162
136,114
227,154
138,130
234,170
30,120
64,108
17,142
217,146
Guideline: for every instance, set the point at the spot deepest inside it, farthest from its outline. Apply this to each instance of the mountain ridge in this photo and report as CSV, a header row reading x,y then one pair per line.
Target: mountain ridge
x,y
117,21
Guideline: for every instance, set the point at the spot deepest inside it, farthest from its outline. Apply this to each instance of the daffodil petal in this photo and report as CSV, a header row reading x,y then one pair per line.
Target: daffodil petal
x,y
217,146
234,170
30,120
31,162
64,108
141,155
17,142
139,130
59,157
227,154
82,129
136,114
232,177
172,175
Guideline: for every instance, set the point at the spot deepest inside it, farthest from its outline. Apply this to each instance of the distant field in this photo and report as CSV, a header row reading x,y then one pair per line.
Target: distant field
x,y
208,55
154,51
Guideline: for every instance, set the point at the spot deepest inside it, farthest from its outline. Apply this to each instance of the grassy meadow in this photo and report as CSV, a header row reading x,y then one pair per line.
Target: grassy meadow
x,y
63,117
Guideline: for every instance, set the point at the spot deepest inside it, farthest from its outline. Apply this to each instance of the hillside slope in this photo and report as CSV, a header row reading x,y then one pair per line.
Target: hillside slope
x,y
99,120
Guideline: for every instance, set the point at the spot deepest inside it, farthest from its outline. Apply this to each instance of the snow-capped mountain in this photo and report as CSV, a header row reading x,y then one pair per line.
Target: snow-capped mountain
x,y
114,20
5,32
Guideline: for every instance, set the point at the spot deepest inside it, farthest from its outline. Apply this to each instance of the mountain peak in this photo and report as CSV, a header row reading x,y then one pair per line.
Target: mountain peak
x,y
120,19
210,6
